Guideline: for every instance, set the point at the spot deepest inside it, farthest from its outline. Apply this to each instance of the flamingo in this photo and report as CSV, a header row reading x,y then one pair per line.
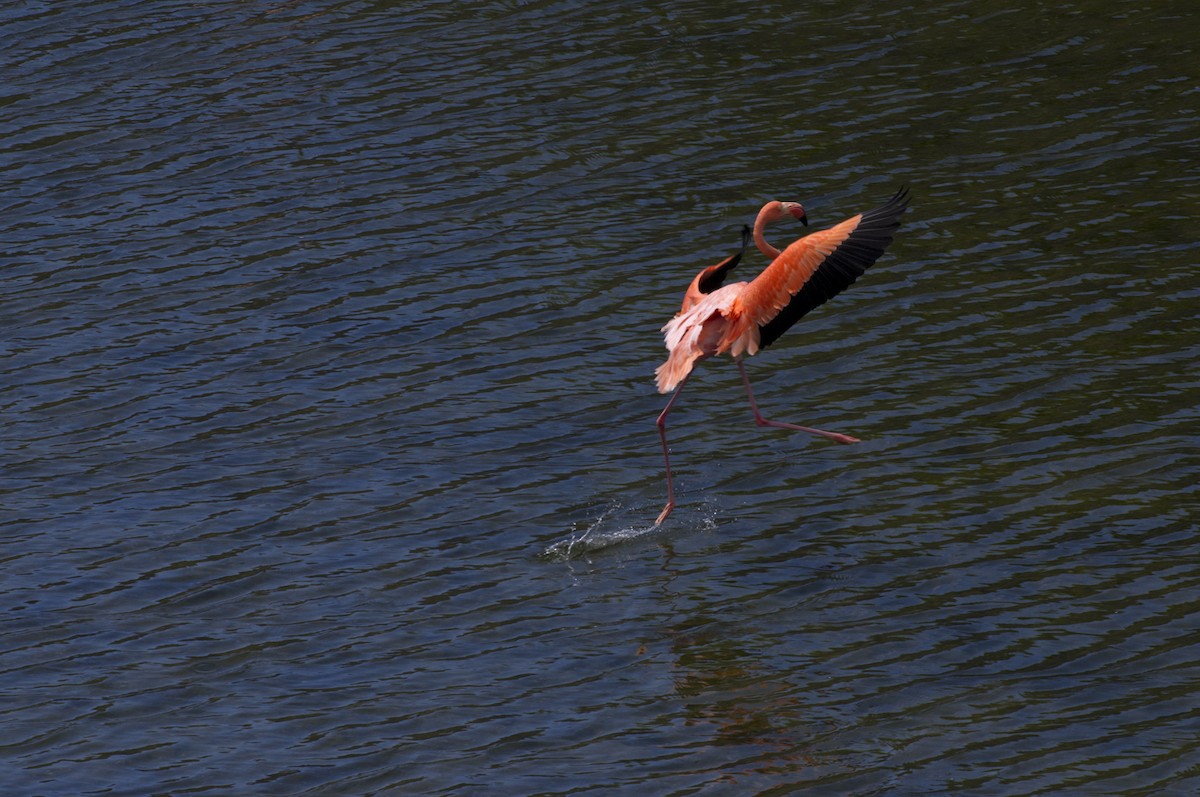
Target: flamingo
x,y
741,318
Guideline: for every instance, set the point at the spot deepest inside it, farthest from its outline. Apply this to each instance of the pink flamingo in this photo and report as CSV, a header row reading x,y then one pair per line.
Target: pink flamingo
x,y
743,317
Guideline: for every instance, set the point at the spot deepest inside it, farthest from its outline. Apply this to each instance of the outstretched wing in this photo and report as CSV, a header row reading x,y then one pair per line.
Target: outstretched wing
x,y
817,267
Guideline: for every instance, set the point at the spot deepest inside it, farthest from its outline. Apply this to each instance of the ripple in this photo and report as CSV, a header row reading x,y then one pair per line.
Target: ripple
x,y
329,335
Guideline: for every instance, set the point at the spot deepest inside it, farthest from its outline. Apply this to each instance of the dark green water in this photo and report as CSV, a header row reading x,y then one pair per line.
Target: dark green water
x,y
325,328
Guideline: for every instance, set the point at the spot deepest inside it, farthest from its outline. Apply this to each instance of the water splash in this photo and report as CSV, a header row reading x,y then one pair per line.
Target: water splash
x,y
602,533
596,537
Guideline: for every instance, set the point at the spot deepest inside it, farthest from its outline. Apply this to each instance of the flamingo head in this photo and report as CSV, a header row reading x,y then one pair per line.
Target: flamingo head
x,y
794,209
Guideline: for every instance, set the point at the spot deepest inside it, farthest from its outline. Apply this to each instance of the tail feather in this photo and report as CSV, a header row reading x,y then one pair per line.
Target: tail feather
x,y
678,365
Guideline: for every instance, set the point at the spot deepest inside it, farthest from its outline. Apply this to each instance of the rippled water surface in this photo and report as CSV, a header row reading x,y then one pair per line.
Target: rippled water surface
x,y
329,465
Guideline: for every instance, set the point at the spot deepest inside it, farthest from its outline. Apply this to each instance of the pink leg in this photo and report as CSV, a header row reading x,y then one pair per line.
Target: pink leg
x,y
661,423
761,421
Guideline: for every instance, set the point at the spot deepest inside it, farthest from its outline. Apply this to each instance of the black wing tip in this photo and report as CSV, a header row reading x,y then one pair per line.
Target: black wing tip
x,y
901,198
887,215
713,277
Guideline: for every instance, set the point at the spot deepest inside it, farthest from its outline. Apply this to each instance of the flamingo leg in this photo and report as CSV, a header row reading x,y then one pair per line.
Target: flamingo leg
x,y
761,421
661,423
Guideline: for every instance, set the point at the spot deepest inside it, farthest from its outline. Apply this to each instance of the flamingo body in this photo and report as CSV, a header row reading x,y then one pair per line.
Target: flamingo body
x,y
746,316
741,318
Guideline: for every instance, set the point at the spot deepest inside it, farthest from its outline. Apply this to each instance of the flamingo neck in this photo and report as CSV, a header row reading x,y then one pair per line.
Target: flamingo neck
x,y
765,216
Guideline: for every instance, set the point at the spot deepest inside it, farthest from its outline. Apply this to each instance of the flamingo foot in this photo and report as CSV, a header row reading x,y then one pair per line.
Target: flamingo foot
x,y
666,511
834,436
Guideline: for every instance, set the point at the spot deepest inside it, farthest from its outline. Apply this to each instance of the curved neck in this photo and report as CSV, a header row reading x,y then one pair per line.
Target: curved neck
x,y
768,214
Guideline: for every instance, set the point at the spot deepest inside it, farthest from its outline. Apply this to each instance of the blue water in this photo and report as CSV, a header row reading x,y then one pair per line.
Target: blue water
x,y
327,334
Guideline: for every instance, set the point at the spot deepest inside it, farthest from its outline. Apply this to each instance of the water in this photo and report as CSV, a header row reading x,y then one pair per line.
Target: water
x,y
329,458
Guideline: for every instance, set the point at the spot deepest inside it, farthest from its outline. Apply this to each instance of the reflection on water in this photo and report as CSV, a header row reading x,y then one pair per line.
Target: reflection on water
x,y
329,457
